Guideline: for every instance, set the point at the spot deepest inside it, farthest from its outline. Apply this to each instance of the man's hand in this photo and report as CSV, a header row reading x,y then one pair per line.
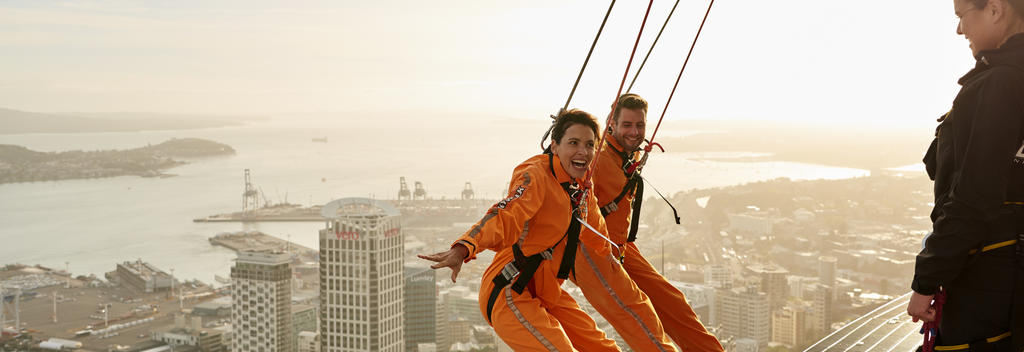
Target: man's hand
x,y
451,258
920,307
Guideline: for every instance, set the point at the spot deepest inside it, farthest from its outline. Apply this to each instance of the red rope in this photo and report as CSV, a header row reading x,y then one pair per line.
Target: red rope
x,y
930,329
587,183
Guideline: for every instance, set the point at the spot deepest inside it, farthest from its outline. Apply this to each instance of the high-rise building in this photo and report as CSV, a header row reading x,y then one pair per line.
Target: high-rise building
x,y
442,325
304,318
822,307
420,306
743,313
718,276
788,326
361,278
308,341
773,282
827,272
261,298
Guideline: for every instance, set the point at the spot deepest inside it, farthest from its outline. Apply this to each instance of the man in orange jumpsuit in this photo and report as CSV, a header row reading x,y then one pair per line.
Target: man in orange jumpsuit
x,y
622,299
536,232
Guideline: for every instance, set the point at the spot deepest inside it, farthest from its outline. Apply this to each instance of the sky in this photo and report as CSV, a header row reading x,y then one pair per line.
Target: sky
x,y
880,62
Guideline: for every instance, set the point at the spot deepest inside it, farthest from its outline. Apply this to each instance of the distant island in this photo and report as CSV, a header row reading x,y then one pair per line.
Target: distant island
x,y
19,164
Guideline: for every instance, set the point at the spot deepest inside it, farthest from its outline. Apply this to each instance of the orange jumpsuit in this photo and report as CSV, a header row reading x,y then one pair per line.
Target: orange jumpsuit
x,y
536,216
676,316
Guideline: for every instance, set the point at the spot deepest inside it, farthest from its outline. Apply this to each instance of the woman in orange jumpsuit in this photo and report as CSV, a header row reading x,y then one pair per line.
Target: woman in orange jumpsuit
x,y
536,231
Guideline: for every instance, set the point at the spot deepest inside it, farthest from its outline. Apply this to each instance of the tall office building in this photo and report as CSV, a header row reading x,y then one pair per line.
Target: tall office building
x,y
361,281
827,272
822,310
304,318
420,306
743,313
788,326
718,275
773,282
261,299
308,342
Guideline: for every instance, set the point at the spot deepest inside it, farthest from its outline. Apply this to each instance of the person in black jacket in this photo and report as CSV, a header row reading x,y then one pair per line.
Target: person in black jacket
x,y
977,163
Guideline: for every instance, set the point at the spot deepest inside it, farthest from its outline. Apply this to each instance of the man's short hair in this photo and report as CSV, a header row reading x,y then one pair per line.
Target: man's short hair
x,y
629,101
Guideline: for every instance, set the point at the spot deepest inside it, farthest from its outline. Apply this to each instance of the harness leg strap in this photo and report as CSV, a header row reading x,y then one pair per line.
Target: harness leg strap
x,y
1017,317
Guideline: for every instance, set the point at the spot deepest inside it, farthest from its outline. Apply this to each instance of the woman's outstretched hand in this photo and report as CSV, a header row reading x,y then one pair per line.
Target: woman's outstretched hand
x,y
451,258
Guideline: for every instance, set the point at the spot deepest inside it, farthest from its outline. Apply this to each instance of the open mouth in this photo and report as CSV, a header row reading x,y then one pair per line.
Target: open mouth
x,y
579,164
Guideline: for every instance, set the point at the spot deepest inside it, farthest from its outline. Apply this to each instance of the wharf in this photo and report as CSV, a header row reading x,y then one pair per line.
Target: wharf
x,y
415,213
276,213
257,241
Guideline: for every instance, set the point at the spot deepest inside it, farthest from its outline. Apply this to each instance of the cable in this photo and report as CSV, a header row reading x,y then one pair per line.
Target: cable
x,y
638,70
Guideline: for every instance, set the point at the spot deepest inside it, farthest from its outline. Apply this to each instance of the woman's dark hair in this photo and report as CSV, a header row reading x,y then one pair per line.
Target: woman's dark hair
x,y
978,4
569,118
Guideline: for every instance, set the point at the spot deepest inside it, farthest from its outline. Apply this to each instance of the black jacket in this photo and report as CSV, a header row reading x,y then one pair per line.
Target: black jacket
x,y
977,163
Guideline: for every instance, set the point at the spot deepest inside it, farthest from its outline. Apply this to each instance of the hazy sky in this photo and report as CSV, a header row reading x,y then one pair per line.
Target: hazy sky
x,y
805,60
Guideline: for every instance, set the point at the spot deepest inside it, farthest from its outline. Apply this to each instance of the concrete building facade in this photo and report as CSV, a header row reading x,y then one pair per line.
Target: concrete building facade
x,y
743,313
789,326
261,298
420,306
361,277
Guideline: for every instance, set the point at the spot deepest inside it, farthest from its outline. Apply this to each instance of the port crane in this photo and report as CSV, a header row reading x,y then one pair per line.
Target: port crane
x,y
250,196
420,192
403,190
467,192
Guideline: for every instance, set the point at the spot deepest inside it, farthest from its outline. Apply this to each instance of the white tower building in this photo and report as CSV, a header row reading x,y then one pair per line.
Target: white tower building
x,y
361,277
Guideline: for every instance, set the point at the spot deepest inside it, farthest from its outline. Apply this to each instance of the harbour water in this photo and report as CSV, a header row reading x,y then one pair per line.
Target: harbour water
x,y
94,223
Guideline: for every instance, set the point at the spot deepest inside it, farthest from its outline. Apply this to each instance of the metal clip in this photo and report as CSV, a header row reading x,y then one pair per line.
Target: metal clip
x,y
510,271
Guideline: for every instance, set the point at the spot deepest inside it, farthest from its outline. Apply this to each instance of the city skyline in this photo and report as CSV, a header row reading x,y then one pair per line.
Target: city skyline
x,y
791,166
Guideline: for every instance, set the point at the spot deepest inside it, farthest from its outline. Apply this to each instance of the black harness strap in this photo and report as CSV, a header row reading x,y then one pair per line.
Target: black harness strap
x,y
634,185
1017,310
573,233
638,201
520,271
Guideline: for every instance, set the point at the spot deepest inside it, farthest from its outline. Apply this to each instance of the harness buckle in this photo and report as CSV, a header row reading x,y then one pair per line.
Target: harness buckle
x,y
546,254
510,271
610,208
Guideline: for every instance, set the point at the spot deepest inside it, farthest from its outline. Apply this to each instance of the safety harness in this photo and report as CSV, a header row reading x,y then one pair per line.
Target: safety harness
x,y
930,329
634,186
520,271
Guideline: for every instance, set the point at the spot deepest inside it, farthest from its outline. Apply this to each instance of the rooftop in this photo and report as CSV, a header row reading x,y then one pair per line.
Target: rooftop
x,y
887,328
357,206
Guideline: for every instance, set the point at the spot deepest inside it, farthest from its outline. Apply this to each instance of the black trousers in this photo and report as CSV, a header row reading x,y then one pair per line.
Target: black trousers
x,y
980,302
